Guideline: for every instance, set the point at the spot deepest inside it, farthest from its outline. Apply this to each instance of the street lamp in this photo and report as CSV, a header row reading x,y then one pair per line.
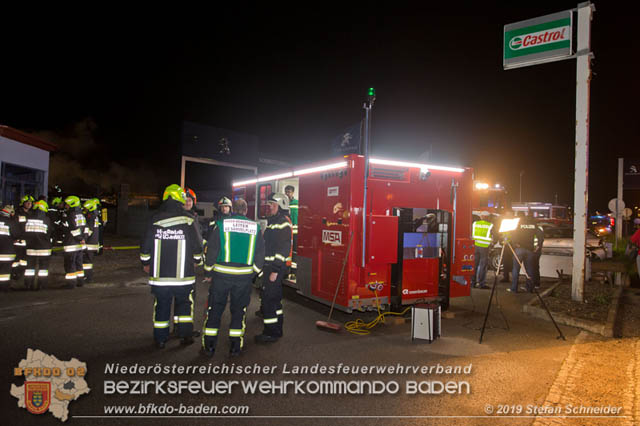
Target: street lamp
x,y
521,173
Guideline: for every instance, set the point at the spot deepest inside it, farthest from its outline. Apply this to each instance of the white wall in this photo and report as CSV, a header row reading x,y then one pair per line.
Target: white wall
x,y
25,155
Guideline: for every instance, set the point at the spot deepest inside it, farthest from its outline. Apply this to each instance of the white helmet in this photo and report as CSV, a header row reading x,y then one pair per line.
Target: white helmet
x,y
280,199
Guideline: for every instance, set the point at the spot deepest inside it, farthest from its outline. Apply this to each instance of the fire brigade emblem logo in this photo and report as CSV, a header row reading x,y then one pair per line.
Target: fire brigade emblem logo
x,y
223,146
37,396
346,140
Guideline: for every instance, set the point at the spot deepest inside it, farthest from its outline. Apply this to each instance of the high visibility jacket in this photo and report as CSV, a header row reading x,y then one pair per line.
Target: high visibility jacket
x,y
37,234
528,235
8,233
293,209
278,242
234,247
93,225
171,247
482,233
74,225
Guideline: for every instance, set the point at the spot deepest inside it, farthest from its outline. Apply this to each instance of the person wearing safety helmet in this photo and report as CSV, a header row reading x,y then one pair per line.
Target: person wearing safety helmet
x,y
190,208
93,237
9,231
22,213
37,234
169,253
278,238
224,208
73,242
56,216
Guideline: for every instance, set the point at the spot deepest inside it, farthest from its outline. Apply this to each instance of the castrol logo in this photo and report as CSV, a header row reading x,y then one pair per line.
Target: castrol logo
x,y
540,38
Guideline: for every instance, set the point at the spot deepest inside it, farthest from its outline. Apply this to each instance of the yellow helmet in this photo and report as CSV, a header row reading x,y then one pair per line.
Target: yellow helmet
x,y
90,205
41,205
72,201
175,192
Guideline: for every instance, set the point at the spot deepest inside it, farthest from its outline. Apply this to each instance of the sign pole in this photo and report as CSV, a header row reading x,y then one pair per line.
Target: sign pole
x,y
583,79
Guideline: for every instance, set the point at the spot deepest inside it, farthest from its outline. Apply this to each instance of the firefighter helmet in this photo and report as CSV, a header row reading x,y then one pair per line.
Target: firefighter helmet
x,y
191,194
175,192
280,199
97,201
224,201
41,205
90,205
56,201
72,201
25,199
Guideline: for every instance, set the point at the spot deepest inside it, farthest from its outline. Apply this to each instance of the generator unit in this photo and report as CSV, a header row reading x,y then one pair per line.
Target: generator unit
x,y
411,242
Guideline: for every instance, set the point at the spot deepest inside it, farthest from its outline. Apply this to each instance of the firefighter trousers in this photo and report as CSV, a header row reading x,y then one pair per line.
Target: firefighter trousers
x,y
87,264
74,275
20,262
165,295
223,287
5,274
272,303
37,266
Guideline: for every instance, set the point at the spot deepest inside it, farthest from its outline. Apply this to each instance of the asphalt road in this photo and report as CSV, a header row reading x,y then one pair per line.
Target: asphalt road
x,y
109,323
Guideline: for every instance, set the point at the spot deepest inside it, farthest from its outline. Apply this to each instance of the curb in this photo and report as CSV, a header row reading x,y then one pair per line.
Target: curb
x,y
605,330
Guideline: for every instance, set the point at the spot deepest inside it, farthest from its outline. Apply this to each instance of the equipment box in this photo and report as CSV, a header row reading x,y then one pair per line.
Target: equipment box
x,y
425,322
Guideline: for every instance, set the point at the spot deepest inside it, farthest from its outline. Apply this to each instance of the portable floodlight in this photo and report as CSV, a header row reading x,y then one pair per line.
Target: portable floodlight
x,y
509,224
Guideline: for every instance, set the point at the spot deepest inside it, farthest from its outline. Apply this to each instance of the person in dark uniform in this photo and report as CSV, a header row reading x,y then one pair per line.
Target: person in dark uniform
x,y
235,254
8,234
523,240
22,214
169,253
37,234
73,242
278,244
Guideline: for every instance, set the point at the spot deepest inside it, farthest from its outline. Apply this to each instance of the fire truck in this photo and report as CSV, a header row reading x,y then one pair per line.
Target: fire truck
x,y
412,245
489,199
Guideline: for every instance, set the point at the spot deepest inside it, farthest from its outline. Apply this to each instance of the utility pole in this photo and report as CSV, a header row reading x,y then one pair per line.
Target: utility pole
x,y
367,131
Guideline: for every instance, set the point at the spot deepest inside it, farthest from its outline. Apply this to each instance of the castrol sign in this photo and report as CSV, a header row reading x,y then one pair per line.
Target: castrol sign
x,y
544,39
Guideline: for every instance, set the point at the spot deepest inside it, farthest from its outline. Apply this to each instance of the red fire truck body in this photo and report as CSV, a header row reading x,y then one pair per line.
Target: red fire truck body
x,y
417,240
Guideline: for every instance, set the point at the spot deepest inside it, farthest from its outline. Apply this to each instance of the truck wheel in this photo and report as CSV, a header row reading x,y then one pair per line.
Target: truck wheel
x,y
494,258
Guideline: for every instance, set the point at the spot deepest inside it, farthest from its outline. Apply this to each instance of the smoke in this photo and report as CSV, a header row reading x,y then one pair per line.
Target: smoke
x,y
79,165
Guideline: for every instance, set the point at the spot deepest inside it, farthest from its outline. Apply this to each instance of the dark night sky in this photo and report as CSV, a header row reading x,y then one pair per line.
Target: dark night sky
x,y
296,81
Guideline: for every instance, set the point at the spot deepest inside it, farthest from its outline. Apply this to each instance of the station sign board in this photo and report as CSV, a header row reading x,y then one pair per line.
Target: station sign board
x,y
544,39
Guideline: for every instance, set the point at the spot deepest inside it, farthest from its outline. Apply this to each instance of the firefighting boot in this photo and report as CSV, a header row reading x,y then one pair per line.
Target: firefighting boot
x,y
235,349
29,282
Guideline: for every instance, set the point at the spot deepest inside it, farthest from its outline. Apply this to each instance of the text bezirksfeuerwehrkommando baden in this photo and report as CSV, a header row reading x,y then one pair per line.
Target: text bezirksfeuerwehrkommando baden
x,y
288,369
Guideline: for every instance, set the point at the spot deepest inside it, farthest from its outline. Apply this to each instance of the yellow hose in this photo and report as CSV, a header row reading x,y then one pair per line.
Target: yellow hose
x,y
361,328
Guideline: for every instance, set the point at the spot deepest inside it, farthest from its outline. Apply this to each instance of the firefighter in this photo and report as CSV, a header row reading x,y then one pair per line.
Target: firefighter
x,y
8,234
92,215
482,234
224,208
103,216
524,240
235,254
169,252
56,216
277,241
73,242
23,212
190,208
37,234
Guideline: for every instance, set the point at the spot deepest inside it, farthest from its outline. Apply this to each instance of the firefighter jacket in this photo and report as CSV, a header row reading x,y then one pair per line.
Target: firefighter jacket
x,y
171,246
93,234
482,233
293,209
278,242
21,218
37,234
235,247
528,235
74,226
9,232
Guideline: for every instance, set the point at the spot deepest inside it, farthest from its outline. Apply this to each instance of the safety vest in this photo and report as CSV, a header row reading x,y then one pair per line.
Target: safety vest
x,y
482,233
238,237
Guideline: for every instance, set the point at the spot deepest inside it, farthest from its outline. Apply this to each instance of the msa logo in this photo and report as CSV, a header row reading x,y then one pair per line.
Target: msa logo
x,y
332,237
